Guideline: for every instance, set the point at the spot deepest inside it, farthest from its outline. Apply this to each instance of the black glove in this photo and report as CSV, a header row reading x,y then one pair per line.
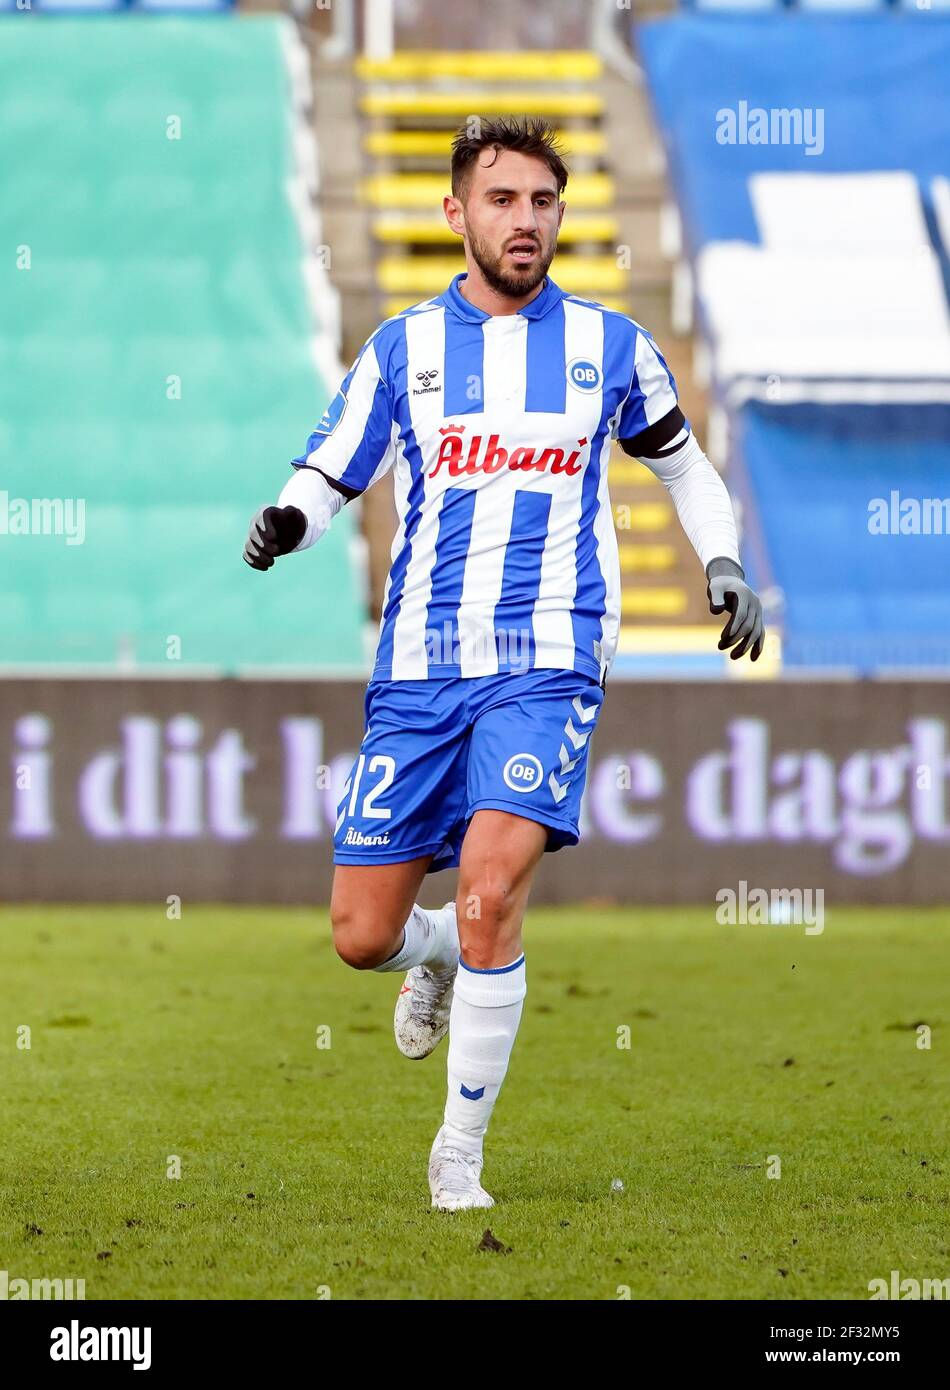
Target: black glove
x,y
274,531
727,589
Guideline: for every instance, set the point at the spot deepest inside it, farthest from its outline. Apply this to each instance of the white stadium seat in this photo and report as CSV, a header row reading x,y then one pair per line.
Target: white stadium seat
x,y
845,212
841,4
834,315
737,4
74,6
940,193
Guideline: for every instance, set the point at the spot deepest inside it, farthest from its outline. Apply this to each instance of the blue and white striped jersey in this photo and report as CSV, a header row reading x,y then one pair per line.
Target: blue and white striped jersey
x,y
498,429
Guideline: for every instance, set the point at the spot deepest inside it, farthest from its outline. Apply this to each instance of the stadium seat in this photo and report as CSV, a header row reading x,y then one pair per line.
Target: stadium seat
x,y
76,6
738,6
847,212
824,303
637,559
940,196
398,227
172,358
630,473
877,81
427,190
842,6
553,66
863,600
488,101
437,144
182,6
667,602
431,275
824,315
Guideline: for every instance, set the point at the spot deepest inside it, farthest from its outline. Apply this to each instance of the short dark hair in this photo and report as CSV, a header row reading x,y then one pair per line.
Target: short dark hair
x,y
526,135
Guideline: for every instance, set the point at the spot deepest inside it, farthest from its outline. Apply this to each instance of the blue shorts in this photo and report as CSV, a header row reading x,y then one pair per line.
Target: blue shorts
x,y
436,751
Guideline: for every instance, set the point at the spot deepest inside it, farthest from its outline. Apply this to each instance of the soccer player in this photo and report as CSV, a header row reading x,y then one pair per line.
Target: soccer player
x,y
495,404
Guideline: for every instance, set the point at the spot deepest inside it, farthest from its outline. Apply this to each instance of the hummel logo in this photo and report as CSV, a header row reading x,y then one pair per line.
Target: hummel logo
x,y
472,1095
427,379
584,712
578,740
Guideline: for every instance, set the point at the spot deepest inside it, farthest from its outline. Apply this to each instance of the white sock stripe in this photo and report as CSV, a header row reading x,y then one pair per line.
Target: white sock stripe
x,y
490,991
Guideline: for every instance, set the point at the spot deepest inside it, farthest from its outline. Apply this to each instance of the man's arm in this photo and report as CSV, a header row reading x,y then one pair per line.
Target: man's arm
x,y
670,450
304,510
352,446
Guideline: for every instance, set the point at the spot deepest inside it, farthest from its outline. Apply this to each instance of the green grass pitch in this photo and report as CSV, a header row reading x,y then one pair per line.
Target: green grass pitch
x,y
303,1168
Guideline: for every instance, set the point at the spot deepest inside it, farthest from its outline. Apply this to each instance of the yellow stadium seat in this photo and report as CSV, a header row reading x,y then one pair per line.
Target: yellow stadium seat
x,y
646,559
525,101
428,190
435,144
397,227
629,472
479,66
653,603
431,274
643,516
687,638
768,666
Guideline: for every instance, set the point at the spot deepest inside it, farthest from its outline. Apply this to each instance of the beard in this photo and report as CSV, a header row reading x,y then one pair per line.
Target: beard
x,y
511,282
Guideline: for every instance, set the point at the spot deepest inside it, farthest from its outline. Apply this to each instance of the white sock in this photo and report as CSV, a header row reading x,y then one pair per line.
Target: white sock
x,y
429,938
486,1011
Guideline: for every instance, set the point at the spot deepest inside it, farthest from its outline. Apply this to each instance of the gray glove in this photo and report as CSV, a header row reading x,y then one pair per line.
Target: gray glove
x,y
727,589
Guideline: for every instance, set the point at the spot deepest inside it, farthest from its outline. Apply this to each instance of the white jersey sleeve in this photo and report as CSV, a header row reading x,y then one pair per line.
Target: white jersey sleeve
x,y
653,429
319,501
699,495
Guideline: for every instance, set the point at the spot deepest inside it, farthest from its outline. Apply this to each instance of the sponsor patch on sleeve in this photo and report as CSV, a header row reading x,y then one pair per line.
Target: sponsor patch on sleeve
x,y
332,415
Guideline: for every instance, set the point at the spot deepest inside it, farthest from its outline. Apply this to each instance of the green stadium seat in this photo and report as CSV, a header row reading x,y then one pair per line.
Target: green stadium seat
x,y
153,258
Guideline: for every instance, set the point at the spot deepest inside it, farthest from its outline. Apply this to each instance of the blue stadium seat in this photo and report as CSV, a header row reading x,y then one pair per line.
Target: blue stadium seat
x,y
853,598
809,207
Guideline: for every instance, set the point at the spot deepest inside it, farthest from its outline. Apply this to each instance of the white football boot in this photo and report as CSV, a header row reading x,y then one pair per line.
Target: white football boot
x,y
422,1013
454,1177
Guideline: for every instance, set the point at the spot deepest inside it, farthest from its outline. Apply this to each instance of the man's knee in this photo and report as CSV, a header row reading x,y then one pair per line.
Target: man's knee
x,y
359,941
488,917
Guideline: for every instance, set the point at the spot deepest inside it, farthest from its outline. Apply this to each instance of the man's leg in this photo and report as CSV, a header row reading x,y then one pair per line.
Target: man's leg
x,y
526,771
372,911
402,807
499,856
377,925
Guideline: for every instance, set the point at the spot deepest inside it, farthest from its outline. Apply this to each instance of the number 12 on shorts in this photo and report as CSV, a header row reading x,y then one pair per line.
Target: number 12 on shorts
x,y
378,763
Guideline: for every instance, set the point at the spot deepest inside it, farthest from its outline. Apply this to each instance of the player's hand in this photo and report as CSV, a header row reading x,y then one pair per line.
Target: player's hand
x,y
727,590
274,531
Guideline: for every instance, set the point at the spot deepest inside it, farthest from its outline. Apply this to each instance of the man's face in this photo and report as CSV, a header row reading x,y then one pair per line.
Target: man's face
x,y
510,219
